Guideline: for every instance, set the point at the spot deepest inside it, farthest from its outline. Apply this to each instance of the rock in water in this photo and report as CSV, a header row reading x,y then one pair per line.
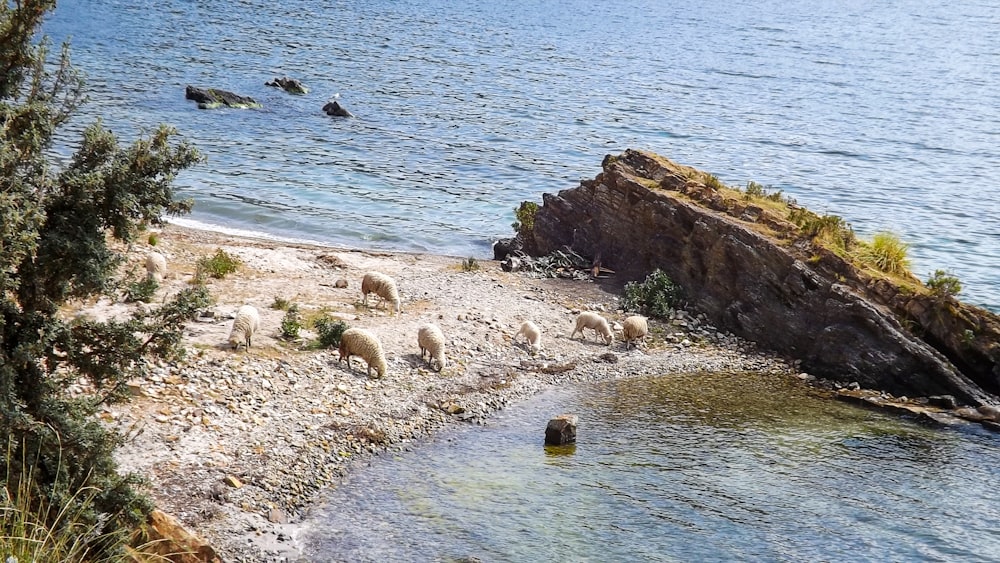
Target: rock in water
x,y
561,430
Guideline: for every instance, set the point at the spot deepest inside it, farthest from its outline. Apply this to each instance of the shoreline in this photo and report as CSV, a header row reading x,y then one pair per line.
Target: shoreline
x,y
239,445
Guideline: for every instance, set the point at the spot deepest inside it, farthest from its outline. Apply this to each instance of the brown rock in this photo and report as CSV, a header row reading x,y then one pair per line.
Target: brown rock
x,y
164,536
561,430
232,481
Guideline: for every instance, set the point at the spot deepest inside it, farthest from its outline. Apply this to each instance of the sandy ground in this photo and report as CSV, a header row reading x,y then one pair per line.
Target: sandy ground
x,y
237,444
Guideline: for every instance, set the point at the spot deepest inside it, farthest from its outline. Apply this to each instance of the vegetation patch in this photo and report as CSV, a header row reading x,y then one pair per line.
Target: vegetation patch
x,y
943,284
291,323
329,330
217,266
657,296
525,217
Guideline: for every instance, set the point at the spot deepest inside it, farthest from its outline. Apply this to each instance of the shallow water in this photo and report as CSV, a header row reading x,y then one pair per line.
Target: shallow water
x,y
883,113
703,467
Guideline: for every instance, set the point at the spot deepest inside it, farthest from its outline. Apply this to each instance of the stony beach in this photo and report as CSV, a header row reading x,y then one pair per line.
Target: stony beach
x,y
238,444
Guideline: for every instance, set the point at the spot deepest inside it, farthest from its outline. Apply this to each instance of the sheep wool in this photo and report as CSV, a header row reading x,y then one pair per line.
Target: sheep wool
x,y
431,342
246,324
634,328
532,335
382,286
595,322
156,266
360,342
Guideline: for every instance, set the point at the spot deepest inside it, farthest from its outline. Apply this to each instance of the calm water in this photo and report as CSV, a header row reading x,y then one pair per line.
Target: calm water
x,y
885,113
681,468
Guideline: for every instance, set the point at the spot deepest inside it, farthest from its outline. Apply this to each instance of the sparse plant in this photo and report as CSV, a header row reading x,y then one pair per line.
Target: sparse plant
x,y
754,190
218,266
470,265
943,284
525,215
153,239
968,337
141,290
886,253
712,181
291,323
656,296
281,304
329,331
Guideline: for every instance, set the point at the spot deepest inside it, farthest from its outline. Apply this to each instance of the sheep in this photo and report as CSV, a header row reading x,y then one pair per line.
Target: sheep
x,y
246,324
431,341
634,328
360,342
532,336
594,321
381,285
156,266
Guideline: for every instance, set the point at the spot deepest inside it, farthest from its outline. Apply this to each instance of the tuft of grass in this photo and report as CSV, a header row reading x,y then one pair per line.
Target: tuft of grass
x,y
329,331
943,284
291,323
470,265
281,304
712,181
656,296
886,253
218,266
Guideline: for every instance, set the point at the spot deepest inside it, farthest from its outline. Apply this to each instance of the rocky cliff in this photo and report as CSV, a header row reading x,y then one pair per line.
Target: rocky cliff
x,y
757,274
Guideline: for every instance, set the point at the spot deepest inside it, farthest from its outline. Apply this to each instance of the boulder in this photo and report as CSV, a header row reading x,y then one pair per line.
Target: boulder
x,y
209,98
163,535
561,430
754,273
334,109
290,85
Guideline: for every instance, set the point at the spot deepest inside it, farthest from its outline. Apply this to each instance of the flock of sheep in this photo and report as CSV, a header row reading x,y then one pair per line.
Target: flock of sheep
x,y
366,345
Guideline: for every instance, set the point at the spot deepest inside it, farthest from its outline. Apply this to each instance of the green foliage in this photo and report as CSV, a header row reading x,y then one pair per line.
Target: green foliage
x,y
281,304
944,285
291,323
525,215
712,181
657,296
760,191
886,253
153,239
329,331
141,290
218,266
470,265
830,230
59,226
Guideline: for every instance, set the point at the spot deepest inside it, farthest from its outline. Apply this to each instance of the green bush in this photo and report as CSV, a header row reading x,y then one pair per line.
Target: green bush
x,y
525,215
329,331
657,296
281,304
943,285
153,239
291,322
887,253
141,290
218,266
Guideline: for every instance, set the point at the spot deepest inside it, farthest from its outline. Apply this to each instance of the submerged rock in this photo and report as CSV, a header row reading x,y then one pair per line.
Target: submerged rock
x,y
209,98
561,430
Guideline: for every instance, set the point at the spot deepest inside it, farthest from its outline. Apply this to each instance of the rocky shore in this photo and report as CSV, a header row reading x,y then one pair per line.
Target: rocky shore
x,y
237,444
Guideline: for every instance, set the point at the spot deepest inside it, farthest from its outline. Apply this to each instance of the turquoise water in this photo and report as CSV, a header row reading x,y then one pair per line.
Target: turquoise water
x,y
883,113
707,467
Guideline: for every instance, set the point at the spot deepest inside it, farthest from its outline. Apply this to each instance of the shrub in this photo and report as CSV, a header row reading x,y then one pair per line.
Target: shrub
x,y
943,285
470,265
291,322
141,290
153,239
887,253
218,265
525,215
329,331
281,304
656,296
712,181
755,190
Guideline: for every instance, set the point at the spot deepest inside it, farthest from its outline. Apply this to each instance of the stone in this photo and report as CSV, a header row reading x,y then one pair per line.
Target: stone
x,y
765,281
277,516
943,401
208,98
561,430
166,537
290,85
232,481
334,109
340,284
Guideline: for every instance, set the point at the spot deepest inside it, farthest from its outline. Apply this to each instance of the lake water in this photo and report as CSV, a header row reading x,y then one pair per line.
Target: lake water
x,y
885,113
702,467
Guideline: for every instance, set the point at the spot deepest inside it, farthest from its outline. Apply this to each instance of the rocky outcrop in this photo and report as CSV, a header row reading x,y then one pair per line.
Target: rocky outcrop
x,y
334,109
754,273
290,85
208,98
165,537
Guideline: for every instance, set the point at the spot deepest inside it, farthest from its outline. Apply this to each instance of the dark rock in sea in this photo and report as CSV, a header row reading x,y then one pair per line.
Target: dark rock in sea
x,y
561,430
208,98
755,273
943,401
290,85
336,110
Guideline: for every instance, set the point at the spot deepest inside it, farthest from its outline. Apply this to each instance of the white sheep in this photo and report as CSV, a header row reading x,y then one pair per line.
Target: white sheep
x,y
382,286
360,342
532,335
594,321
431,342
634,328
156,266
246,324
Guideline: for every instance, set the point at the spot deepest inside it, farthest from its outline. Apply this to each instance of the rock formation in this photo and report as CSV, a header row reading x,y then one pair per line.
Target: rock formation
x,y
290,85
760,276
334,109
209,98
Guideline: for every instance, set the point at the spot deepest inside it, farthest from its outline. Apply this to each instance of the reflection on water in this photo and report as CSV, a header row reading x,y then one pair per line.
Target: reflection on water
x,y
701,467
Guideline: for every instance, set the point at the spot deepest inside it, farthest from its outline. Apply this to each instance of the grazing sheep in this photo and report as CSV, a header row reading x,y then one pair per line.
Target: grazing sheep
x,y
156,266
431,341
594,321
360,342
247,322
532,335
381,285
634,328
